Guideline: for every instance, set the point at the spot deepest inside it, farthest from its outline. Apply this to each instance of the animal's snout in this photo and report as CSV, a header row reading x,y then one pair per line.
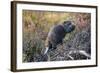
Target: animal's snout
x,y
73,27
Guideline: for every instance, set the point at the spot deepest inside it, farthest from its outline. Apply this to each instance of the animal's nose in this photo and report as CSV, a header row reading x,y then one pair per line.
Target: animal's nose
x,y
73,27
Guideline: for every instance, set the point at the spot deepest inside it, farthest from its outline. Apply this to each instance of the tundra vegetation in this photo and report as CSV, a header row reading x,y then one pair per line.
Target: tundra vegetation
x,y
36,25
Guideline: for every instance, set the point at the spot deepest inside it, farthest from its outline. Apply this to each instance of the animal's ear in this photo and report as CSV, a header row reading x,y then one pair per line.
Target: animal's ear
x,y
64,22
67,22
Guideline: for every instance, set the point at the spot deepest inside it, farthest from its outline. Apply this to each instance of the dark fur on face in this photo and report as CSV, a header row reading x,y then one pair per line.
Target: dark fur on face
x,y
68,26
57,34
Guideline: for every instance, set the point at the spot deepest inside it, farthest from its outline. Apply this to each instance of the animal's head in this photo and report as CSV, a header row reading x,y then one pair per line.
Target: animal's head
x,y
68,26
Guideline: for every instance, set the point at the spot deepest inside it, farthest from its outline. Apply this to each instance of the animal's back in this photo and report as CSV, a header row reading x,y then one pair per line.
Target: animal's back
x,y
56,34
